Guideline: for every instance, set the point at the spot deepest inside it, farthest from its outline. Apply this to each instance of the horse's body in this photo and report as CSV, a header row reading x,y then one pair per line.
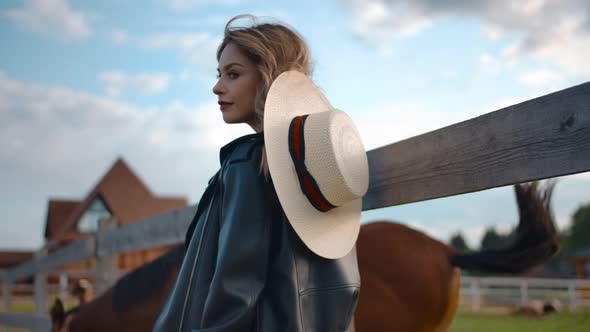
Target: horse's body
x,y
410,282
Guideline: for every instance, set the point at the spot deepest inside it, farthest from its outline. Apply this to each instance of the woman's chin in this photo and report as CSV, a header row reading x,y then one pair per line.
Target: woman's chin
x,y
228,119
236,118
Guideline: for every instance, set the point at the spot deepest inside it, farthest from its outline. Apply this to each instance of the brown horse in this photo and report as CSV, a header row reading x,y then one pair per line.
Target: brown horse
x,y
410,282
132,304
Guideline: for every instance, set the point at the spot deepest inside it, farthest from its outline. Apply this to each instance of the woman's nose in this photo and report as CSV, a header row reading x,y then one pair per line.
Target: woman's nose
x,y
217,88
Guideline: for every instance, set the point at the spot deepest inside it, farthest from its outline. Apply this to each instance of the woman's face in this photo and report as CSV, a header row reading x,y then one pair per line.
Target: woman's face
x,y
236,87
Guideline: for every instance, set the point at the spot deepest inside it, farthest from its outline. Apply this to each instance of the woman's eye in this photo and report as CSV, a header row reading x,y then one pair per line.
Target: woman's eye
x,y
232,75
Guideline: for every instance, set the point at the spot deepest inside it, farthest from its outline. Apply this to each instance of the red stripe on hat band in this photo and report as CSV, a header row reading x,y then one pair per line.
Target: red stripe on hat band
x,y
306,181
314,195
297,137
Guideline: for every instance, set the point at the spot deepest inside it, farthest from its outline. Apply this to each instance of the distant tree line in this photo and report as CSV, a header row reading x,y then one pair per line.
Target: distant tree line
x,y
572,239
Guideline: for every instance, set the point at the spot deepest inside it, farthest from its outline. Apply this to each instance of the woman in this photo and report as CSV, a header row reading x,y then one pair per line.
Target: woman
x,y
273,255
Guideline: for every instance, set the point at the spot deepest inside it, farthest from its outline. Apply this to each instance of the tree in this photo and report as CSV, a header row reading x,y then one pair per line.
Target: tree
x,y
579,233
494,240
459,243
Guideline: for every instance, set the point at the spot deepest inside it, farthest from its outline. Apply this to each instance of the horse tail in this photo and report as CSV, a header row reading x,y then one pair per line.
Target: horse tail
x,y
534,240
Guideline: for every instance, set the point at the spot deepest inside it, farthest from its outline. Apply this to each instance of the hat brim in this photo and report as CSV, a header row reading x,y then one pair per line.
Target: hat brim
x,y
329,234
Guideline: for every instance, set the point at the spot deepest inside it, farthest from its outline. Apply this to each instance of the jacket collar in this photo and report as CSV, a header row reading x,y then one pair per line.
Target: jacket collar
x,y
226,150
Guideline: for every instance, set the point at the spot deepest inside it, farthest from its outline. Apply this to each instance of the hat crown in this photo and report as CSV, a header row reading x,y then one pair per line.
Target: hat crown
x,y
335,156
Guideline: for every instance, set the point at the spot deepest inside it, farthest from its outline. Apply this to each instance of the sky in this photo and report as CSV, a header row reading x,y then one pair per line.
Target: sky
x,y
83,83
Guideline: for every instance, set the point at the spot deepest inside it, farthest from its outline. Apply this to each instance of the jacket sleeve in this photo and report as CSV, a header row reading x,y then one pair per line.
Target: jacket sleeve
x,y
243,250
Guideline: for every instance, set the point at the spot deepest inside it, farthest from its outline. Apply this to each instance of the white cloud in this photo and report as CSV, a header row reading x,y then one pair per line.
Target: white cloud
x,y
449,74
571,53
493,32
115,82
511,53
56,142
182,41
554,31
119,36
540,77
489,63
372,23
387,123
190,4
54,17
197,50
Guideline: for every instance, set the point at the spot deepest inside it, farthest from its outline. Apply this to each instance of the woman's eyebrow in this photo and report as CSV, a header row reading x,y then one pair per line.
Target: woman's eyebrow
x,y
226,67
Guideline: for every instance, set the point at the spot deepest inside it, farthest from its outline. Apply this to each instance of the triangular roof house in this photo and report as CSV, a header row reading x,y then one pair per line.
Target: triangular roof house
x,y
119,194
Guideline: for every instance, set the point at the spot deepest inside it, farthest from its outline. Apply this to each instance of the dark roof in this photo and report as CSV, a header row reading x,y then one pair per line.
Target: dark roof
x,y
58,211
581,253
123,193
12,258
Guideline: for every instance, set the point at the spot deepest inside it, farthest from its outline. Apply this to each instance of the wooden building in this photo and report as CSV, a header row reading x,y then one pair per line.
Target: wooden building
x,y
118,195
581,259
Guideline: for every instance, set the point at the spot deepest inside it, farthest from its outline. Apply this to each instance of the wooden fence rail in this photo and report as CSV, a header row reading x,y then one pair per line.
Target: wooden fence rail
x,y
541,138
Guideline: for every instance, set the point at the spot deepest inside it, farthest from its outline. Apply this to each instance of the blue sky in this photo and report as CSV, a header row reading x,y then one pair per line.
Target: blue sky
x,y
82,83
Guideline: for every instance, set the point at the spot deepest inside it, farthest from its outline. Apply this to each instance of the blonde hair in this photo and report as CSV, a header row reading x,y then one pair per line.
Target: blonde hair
x,y
274,48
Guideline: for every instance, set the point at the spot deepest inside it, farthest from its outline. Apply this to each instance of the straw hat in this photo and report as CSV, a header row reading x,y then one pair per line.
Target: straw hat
x,y
317,162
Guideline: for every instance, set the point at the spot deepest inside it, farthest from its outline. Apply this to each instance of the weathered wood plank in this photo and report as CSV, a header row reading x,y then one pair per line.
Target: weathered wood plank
x,y
164,229
541,138
40,284
27,321
73,253
106,270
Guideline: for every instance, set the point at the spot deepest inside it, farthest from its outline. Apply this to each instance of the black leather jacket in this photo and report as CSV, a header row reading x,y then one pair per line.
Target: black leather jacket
x,y
245,269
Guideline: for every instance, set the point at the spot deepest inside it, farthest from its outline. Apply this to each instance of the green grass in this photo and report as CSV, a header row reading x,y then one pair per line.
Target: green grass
x,y
21,307
467,322
564,322
29,306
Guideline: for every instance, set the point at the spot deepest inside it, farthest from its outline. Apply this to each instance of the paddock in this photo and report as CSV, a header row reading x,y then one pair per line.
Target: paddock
x,y
541,138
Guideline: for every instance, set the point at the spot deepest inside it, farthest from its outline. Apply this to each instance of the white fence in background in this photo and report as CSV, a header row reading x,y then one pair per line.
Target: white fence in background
x,y
479,293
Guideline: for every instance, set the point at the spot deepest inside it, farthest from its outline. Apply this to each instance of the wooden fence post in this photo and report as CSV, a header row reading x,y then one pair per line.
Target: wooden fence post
x,y
106,266
5,299
475,295
524,294
40,289
572,295
63,287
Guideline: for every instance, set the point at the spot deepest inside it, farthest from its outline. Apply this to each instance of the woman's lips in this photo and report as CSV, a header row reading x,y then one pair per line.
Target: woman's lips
x,y
223,106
